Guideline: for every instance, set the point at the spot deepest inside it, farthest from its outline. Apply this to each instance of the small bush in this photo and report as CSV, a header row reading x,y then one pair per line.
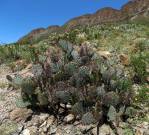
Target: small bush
x,y
138,63
143,94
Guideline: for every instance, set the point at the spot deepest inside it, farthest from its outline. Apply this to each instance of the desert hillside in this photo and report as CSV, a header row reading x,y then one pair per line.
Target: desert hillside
x,y
88,77
135,10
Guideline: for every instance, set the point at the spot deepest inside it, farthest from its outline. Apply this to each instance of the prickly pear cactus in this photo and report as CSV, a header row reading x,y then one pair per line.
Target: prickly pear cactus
x,y
28,86
131,112
63,96
88,118
42,99
66,74
112,114
42,58
100,91
70,68
14,82
108,75
78,109
55,67
75,55
20,103
84,71
111,98
66,46
37,70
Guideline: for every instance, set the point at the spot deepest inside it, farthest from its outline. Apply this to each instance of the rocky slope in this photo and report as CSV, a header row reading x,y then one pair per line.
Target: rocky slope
x,y
134,9
17,120
37,33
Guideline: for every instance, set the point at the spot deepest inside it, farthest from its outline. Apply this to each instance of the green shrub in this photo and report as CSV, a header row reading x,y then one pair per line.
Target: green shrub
x,y
143,95
138,63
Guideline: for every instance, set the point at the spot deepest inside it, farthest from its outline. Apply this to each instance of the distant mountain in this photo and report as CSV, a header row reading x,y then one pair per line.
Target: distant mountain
x,y
133,10
38,34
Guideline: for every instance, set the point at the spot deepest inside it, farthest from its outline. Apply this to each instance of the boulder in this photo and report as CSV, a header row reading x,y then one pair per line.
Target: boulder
x,y
103,130
69,118
26,132
104,54
50,120
124,59
43,117
20,114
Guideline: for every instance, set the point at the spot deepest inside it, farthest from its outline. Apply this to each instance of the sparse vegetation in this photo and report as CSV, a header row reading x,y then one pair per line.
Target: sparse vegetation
x,y
8,128
69,69
143,95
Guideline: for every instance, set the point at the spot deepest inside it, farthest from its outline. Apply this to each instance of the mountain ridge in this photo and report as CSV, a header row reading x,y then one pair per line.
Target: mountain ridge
x,y
130,11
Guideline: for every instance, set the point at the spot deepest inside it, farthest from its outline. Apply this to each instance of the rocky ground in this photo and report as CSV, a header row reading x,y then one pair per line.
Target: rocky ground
x,y
22,121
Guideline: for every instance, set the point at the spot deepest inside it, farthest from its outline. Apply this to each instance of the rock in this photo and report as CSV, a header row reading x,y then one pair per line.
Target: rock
x,y
85,128
129,120
53,130
147,69
139,132
120,131
103,130
62,105
76,123
26,72
43,117
61,111
42,133
124,59
67,130
20,128
43,124
122,124
69,106
30,123
33,130
69,118
20,114
45,129
146,132
104,54
50,120
41,120
142,129
34,122
26,132
147,79
145,125
136,88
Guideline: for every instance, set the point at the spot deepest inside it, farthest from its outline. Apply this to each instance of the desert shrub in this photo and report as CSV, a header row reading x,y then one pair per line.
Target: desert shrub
x,y
12,52
142,95
139,66
139,61
15,52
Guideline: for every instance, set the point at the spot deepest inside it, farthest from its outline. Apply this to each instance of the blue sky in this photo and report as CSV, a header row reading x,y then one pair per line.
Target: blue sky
x,y
18,17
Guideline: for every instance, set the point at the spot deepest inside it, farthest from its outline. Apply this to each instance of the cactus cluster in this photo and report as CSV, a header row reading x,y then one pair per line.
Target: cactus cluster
x,y
95,90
